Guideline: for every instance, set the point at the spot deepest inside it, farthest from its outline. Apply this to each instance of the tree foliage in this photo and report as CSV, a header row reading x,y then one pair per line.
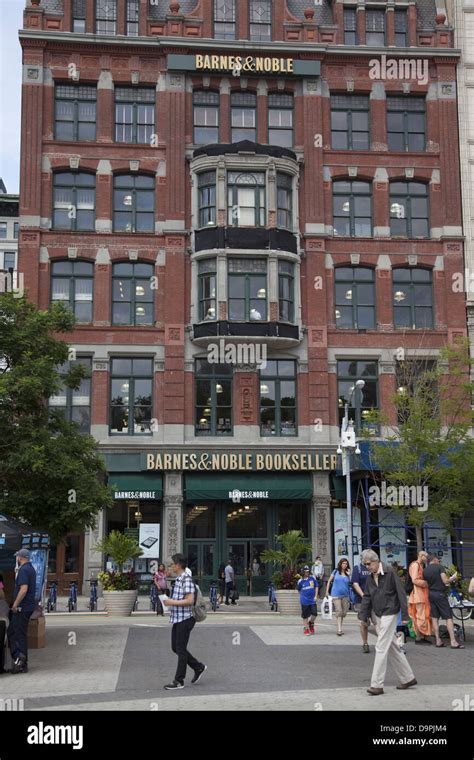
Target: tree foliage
x,y
51,475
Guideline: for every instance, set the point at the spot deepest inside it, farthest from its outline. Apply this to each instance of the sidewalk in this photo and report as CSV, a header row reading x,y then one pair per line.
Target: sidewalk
x,y
245,605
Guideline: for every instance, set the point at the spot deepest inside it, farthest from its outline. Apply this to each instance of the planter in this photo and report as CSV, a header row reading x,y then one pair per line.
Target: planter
x,y
119,603
288,602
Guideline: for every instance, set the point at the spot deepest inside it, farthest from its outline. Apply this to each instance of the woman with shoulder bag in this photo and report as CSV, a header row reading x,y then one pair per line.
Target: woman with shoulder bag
x,y
338,589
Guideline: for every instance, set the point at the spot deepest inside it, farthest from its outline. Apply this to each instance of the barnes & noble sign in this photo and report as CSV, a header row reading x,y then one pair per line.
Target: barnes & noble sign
x,y
243,64
203,461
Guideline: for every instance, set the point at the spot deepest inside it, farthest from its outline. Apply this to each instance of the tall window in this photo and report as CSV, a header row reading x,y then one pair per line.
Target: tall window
x,y
374,27
412,298
350,122
74,201
246,199
74,404
350,27
401,28
352,204
206,117
286,291
284,201
16,226
348,372
3,230
213,399
406,123
134,114
79,16
409,210
224,19
105,16
131,396
9,261
278,399
355,297
280,120
75,112
244,116
132,294
207,198
134,203
247,291
207,278
72,284
132,17
260,20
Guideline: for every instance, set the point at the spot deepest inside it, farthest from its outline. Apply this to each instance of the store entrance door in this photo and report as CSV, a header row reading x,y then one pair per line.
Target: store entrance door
x,y
250,572
202,563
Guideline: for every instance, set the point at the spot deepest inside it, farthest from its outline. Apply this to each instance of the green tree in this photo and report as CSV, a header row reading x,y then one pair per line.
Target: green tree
x,y
119,547
431,446
293,549
51,475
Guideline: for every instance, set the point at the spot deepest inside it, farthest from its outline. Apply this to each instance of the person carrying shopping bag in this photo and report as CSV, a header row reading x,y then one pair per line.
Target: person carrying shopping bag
x,y
338,589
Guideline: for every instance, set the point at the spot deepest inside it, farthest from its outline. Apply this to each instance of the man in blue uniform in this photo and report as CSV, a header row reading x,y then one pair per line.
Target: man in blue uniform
x,y
308,588
21,611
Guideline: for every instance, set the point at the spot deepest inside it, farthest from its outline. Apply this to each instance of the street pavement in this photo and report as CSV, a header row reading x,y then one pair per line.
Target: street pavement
x,y
256,660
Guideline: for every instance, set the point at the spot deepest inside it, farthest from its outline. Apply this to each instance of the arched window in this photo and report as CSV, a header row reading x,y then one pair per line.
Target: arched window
x,y
246,199
355,298
72,284
74,201
352,206
134,203
412,298
132,294
409,210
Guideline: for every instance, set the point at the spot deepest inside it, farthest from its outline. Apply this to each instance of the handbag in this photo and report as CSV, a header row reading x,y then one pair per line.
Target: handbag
x,y
234,595
326,608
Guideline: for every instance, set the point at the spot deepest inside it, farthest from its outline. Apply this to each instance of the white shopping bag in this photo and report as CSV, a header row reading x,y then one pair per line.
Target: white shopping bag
x,y
326,608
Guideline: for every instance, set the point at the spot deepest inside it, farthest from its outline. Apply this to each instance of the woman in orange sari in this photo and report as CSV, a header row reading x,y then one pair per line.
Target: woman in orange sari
x,y
419,600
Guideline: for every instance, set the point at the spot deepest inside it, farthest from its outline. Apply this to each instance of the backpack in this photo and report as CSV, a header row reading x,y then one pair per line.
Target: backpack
x,y
199,606
409,584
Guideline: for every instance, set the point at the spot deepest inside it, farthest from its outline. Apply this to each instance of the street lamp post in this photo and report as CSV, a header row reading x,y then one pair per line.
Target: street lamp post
x,y
348,443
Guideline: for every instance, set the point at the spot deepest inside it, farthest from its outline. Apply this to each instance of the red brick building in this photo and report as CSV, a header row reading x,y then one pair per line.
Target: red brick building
x,y
247,211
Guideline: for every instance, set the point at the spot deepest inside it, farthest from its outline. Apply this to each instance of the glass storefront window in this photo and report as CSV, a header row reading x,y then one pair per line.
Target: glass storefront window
x,y
201,521
293,517
247,521
71,554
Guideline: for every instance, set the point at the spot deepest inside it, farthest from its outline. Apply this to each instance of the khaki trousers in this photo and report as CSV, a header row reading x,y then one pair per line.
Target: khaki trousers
x,y
386,648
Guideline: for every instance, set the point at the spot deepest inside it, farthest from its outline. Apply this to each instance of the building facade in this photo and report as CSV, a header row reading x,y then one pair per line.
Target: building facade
x,y
9,228
247,211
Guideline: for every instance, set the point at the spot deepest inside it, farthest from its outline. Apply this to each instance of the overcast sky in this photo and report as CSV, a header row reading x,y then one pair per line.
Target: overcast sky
x,y
11,19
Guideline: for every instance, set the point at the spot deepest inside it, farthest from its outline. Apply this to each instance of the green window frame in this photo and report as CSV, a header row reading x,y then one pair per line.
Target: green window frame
x,y
413,306
74,201
247,290
224,19
409,210
75,111
286,291
206,108
132,294
284,201
134,203
213,399
278,399
134,115
352,208
207,199
106,17
72,284
280,119
74,404
355,298
131,396
243,106
246,199
207,289
132,17
348,372
350,122
406,124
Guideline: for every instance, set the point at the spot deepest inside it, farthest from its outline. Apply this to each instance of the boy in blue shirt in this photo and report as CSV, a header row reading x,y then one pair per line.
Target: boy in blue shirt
x,y
308,588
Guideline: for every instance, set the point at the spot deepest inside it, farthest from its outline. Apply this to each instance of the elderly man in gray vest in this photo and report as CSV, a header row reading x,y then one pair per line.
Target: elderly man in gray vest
x,y
385,596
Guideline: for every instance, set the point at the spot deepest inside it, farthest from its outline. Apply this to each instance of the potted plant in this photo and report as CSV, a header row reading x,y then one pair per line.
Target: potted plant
x,y
293,550
119,588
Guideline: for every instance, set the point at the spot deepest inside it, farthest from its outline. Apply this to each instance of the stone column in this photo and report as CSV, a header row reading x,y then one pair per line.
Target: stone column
x,y
93,560
321,520
172,522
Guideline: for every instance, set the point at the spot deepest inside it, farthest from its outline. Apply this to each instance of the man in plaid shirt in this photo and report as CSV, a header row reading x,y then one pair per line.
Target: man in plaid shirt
x,y
181,617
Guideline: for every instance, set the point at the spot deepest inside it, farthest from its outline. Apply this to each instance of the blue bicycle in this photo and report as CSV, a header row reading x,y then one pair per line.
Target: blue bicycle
x,y
93,596
272,600
213,596
72,601
53,597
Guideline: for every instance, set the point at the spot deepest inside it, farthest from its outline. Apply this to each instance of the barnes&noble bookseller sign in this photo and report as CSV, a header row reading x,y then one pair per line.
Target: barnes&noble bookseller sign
x,y
203,461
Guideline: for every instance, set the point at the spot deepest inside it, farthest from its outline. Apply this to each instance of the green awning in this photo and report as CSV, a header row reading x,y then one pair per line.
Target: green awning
x,y
249,486
339,486
134,486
